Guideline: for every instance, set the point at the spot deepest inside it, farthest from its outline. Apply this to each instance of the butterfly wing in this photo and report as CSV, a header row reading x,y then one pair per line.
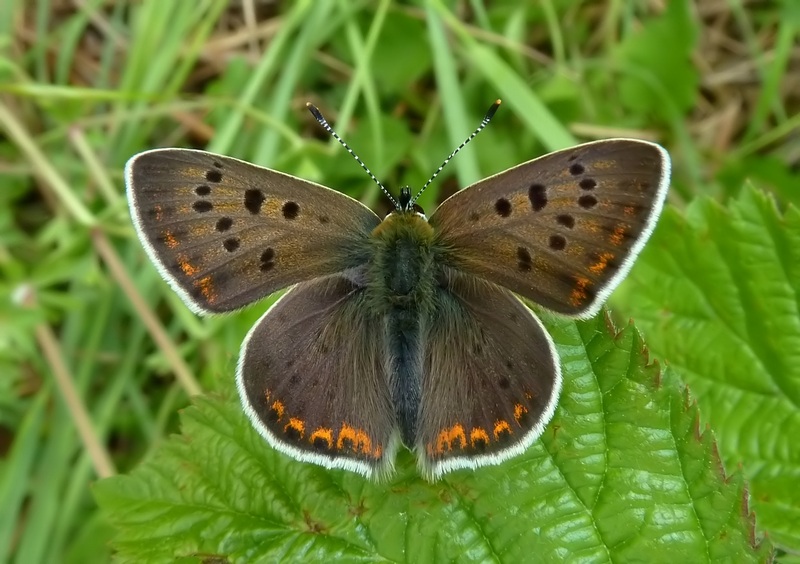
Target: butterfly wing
x,y
491,380
562,229
312,378
225,233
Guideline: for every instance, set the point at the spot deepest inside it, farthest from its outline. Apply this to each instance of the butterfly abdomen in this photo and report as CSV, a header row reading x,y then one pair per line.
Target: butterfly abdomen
x,y
401,283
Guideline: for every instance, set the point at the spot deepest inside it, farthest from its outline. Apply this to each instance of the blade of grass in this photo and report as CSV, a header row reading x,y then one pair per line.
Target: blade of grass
x,y
52,352
119,274
96,168
106,406
50,475
363,81
44,168
17,468
774,73
556,37
512,88
81,335
166,41
781,130
742,17
454,107
269,65
316,28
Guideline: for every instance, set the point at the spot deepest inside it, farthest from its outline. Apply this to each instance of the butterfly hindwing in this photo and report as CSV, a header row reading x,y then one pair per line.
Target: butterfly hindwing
x,y
312,378
563,229
491,378
225,233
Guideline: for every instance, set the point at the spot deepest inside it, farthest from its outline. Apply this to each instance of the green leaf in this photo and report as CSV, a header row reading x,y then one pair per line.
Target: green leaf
x,y
716,292
403,56
660,55
622,473
765,171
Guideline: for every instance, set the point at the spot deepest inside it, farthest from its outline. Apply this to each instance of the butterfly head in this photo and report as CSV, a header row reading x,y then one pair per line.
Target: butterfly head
x,y
407,204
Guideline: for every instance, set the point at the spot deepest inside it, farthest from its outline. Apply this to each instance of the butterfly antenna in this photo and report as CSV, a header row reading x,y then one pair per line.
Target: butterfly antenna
x,y
484,122
324,123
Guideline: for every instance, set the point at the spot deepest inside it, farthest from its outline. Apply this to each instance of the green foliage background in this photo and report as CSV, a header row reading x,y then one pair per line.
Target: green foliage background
x,y
693,455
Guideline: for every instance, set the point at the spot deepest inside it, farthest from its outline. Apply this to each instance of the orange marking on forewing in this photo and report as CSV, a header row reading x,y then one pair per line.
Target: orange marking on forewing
x,y
478,435
277,407
324,434
228,207
271,206
378,452
519,411
198,230
188,172
170,240
500,427
187,267
296,424
540,264
618,235
206,286
520,201
629,210
591,226
578,295
601,263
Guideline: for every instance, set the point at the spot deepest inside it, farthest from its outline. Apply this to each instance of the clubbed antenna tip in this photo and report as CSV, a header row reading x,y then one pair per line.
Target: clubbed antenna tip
x,y
490,112
324,123
315,112
484,122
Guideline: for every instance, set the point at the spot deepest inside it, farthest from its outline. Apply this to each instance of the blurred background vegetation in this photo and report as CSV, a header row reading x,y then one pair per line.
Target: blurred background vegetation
x,y
97,355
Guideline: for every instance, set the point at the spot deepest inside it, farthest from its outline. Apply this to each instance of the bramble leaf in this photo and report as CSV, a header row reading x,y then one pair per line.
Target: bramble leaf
x,y
716,292
621,473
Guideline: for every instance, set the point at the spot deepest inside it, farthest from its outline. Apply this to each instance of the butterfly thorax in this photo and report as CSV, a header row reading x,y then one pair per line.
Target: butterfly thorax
x,y
401,273
401,285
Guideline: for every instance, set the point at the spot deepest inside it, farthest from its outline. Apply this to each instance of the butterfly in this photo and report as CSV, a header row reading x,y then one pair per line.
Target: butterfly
x,y
405,330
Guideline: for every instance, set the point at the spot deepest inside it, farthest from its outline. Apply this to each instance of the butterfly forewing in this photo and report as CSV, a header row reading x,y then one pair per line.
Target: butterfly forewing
x,y
491,379
562,229
312,378
225,233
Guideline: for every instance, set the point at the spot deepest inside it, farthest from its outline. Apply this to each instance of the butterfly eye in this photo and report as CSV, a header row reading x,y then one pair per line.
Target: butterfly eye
x,y
418,209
